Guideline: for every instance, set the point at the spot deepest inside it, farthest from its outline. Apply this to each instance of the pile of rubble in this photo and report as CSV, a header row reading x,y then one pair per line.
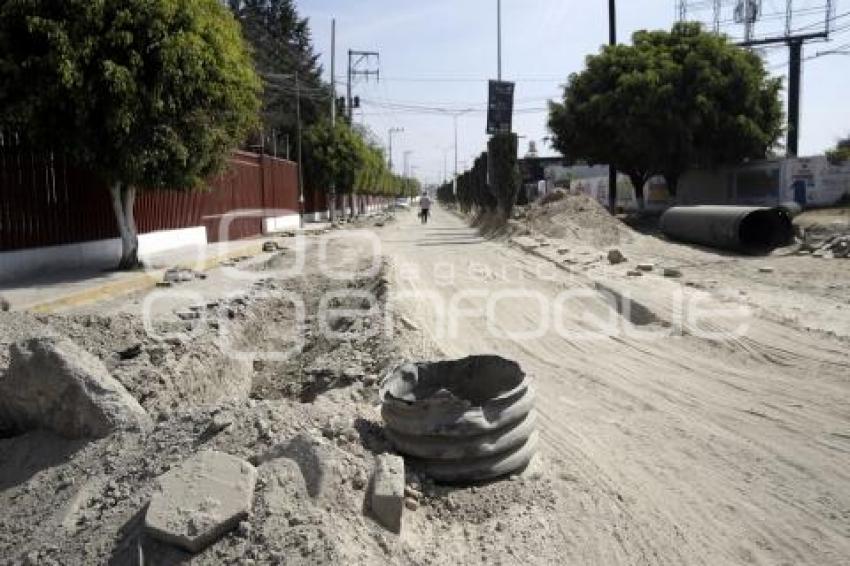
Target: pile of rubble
x,y
176,275
837,246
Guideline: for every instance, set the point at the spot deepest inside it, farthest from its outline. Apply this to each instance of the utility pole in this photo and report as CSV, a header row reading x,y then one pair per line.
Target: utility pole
x,y
612,169
748,13
355,60
407,162
300,162
454,183
499,32
794,74
332,203
406,172
391,132
795,45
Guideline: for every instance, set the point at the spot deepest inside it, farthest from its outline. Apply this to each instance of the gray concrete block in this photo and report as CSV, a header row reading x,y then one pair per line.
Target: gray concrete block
x,y
387,501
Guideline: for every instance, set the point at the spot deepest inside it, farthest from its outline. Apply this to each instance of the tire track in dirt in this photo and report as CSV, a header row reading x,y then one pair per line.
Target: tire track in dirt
x,y
681,450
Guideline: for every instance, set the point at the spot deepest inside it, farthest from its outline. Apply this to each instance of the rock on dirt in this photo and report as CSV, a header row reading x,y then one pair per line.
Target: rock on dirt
x,y
616,256
54,384
646,267
387,501
201,500
672,272
4,305
178,275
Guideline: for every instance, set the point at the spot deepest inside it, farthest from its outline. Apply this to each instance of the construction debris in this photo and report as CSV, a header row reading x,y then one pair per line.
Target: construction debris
x,y
54,384
201,500
645,267
387,500
672,272
4,305
272,246
180,275
837,246
615,257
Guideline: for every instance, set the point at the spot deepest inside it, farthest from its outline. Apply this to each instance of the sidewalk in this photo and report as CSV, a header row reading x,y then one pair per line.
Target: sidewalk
x,y
69,289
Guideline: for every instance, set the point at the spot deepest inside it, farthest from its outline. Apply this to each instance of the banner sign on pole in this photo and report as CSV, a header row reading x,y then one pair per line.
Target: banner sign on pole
x,y
500,109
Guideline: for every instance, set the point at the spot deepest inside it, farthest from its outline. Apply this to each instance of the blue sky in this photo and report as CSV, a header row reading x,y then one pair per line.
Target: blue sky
x,y
440,53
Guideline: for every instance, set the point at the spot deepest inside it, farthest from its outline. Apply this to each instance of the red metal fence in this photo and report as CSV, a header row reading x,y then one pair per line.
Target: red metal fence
x,y
44,201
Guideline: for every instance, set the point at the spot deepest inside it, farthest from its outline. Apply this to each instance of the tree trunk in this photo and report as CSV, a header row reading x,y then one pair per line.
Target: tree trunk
x,y
672,180
638,182
123,201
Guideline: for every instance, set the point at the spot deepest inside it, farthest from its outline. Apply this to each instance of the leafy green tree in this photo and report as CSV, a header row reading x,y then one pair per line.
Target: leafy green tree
x,y
283,45
504,171
607,114
148,94
841,153
332,155
671,101
722,106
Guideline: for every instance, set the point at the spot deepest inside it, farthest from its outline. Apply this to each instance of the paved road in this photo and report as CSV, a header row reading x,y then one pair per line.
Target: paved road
x,y
694,448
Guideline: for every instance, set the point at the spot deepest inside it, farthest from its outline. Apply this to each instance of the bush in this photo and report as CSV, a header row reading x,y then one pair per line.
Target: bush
x,y
504,171
554,196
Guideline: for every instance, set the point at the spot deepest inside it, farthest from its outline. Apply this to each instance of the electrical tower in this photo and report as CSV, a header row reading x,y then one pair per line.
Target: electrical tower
x,y
790,25
360,64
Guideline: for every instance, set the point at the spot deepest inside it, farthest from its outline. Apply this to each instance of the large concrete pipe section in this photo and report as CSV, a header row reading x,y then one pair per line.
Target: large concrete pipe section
x,y
746,229
463,420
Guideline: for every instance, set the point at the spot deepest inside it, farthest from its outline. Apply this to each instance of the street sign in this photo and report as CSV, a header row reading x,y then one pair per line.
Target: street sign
x,y
500,109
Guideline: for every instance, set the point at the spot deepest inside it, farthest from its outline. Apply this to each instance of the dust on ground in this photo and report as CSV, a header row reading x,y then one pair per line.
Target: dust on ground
x,y
670,439
310,422
809,293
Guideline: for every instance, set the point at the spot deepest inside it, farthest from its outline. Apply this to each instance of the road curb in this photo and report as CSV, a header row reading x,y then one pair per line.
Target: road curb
x,y
139,282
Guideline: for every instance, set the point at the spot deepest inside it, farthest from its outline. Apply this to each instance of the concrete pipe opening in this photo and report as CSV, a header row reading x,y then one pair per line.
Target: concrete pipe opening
x,y
461,420
745,229
764,230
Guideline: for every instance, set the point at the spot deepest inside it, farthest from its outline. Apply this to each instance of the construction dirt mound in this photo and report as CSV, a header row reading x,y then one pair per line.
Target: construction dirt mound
x,y
575,218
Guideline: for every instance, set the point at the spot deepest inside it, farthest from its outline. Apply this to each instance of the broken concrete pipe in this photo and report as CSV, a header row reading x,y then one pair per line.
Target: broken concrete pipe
x,y
464,420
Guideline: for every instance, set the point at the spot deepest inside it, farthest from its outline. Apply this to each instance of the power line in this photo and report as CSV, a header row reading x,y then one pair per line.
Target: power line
x,y
470,79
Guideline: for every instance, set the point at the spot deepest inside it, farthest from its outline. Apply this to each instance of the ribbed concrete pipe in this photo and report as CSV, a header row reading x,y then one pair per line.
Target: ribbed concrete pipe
x,y
747,229
462,420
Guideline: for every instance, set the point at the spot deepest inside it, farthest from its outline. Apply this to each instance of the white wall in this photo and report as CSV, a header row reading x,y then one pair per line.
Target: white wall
x,y
30,263
282,223
764,183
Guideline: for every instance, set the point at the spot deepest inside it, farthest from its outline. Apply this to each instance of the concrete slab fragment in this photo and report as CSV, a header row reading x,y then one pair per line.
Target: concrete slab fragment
x,y
387,500
201,500
54,384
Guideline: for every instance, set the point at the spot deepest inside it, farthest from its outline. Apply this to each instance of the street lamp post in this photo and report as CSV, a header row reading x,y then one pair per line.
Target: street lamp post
x,y
612,170
407,169
454,183
391,132
499,32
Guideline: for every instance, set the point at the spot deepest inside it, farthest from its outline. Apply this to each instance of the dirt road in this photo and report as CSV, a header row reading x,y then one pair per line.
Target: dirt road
x,y
673,441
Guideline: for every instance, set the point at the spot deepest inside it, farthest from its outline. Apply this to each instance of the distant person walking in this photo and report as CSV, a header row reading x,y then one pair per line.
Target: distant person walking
x,y
424,208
